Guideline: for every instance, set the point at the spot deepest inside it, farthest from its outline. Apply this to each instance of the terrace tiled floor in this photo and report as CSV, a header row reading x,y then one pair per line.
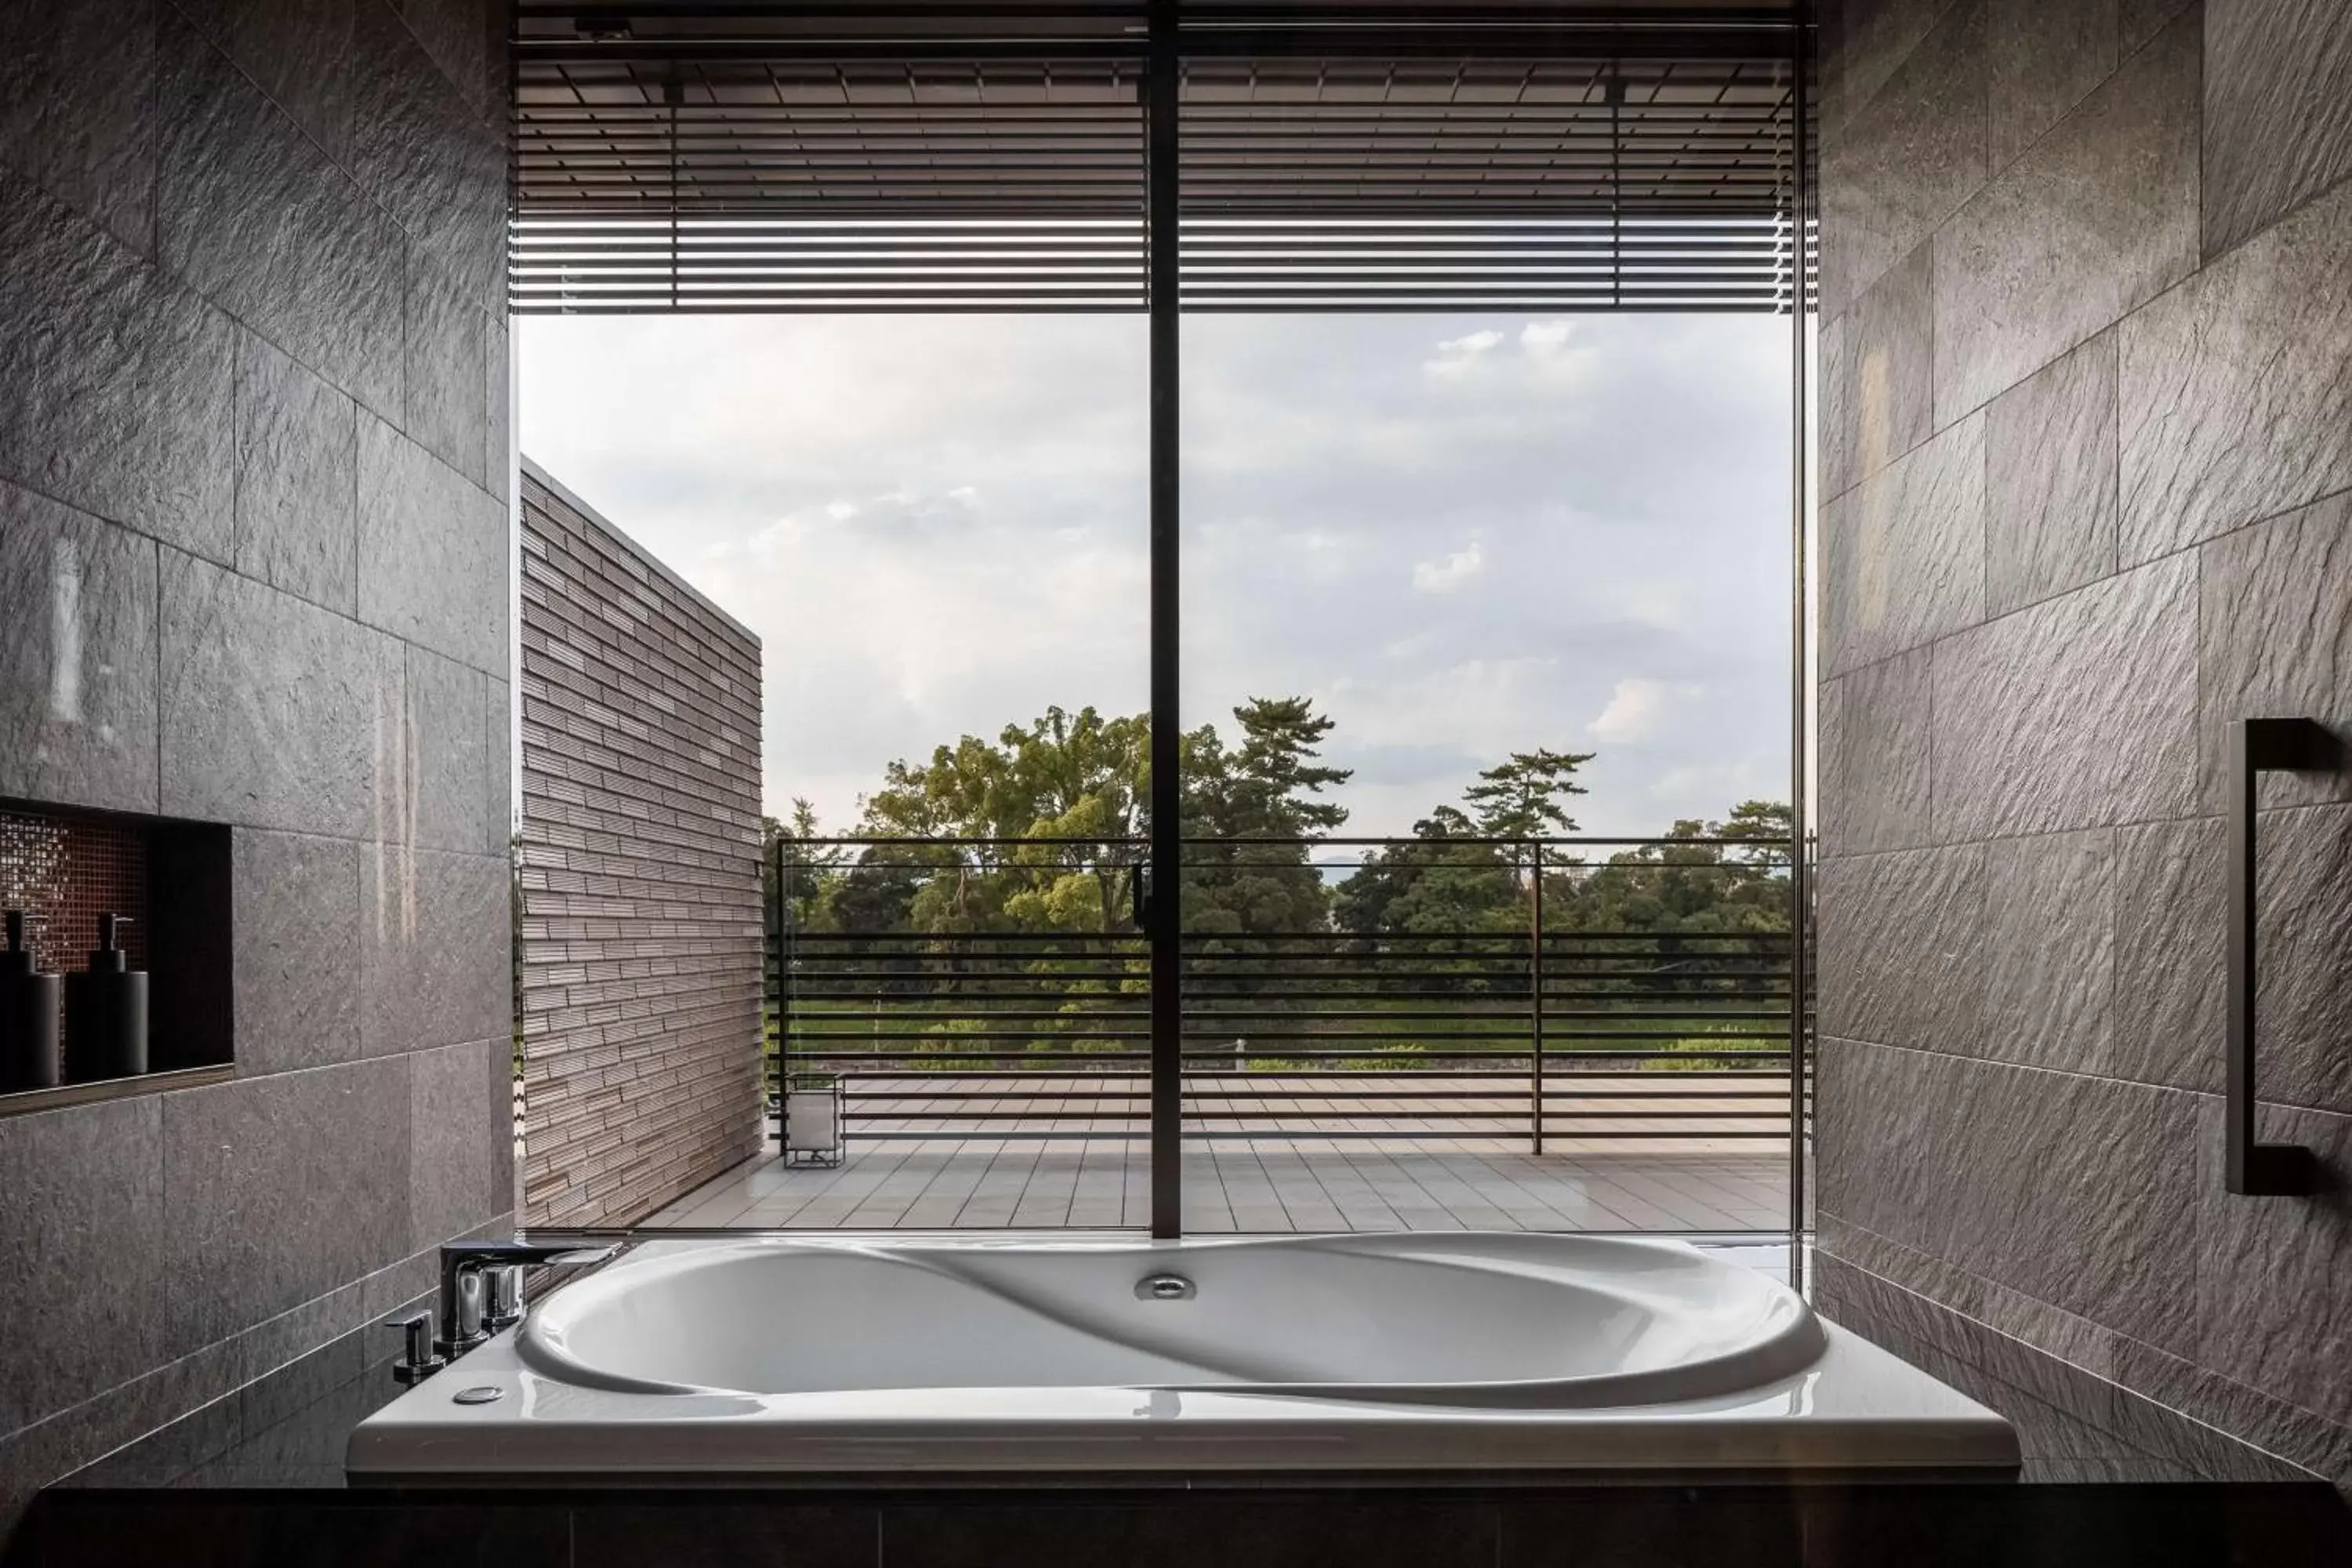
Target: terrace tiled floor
x,y
1294,1183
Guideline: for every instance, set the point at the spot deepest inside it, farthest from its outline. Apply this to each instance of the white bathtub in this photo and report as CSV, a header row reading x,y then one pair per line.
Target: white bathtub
x,y
942,1355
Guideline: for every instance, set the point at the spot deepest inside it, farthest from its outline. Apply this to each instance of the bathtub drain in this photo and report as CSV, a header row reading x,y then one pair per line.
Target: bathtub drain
x,y
1164,1287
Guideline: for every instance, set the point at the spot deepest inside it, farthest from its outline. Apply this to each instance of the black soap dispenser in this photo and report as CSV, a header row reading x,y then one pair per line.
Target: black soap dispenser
x,y
28,1016
106,1011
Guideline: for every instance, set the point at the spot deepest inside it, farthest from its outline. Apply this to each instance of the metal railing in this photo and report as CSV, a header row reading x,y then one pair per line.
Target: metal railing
x,y
1578,991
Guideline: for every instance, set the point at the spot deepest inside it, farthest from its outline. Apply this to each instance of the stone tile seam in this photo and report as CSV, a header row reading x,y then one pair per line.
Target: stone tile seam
x,y
245,1375
2123,58
2184,282
157,546
1984,111
1930,645
490,123
2115,1335
149,262
2193,547
2193,1094
2284,214
1849,114
1994,839
82,1406
231,569
165,1186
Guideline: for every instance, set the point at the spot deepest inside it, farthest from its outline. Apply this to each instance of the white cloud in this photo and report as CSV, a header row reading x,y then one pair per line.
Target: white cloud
x,y
1636,708
1545,337
1444,577
1455,356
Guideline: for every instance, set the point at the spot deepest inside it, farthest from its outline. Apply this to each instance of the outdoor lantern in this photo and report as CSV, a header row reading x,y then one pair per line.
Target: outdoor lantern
x,y
812,1119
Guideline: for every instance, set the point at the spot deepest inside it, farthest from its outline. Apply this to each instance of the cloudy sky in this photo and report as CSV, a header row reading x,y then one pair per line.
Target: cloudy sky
x,y
1462,536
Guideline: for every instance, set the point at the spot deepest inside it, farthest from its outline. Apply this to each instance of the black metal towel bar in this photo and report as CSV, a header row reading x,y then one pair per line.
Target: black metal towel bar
x,y
2257,746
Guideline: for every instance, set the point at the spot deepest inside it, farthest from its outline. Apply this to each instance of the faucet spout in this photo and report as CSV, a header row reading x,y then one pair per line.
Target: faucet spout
x,y
472,1308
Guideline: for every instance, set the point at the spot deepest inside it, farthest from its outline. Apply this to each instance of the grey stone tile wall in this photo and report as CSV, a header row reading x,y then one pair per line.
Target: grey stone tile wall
x,y
2114,238
237,447
642,955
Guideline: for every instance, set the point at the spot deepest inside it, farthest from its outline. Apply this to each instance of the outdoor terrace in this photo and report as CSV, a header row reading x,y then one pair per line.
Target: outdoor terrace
x,y
1574,1034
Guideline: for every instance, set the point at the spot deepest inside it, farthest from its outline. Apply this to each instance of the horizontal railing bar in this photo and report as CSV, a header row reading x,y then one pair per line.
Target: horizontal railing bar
x,y
968,1035
1334,841
866,165
1338,1053
1303,1097
1273,1033
1198,1060
1473,1015
868,986
580,295
1514,1116
1474,235
650,305
1741,125
708,273
852,1015
1204,1135
602,247
1518,1074
1519,938
1217,994
855,1008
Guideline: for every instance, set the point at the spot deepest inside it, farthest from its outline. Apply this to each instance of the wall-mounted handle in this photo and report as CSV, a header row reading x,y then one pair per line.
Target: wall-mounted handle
x,y
2258,746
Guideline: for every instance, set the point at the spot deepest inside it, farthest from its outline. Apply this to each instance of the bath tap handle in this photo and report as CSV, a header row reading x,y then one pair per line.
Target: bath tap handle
x,y
504,1308
420,1362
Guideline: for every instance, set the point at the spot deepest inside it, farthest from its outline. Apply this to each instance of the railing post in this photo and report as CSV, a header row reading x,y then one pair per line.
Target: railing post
x,y
779,901
1535,1008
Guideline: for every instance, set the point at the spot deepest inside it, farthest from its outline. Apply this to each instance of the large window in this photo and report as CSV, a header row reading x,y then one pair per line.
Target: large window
x,y
1276,536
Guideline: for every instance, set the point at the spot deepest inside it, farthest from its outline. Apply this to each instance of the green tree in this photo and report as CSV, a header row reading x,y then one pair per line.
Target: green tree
x,y
1521,798
1248,814
1045,811
1683,883
1445,879
811,869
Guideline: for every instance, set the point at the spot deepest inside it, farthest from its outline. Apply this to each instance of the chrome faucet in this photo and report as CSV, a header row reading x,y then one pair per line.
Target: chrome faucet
x,y
481,1289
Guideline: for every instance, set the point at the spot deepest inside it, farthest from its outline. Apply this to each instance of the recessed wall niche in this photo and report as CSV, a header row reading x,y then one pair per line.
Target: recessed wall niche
x,y
67,868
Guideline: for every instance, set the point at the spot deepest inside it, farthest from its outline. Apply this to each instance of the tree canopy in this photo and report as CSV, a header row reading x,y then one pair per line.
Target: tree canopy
x,y
1040,830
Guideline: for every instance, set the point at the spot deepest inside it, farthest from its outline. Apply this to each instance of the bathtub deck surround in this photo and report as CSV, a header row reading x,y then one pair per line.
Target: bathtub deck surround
x,y
906,1355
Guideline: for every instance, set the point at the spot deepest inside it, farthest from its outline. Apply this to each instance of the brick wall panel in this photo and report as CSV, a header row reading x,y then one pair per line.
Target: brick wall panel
x,y
641,936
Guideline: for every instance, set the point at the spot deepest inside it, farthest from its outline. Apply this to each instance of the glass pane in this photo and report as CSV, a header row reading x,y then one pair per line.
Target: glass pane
x,y
937,527
1486,698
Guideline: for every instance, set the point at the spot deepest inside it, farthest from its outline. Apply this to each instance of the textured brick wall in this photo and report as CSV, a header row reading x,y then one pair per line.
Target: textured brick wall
x,y
2087,426
641,951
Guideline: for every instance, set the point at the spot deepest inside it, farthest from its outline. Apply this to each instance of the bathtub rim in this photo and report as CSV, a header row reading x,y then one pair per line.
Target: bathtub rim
x,y
1788,1347
1864,1412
